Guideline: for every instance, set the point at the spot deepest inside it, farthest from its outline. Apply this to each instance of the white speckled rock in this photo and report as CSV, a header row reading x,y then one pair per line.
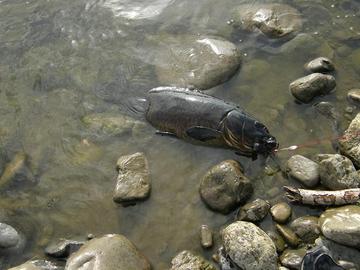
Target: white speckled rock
x,y
249,247
304,170
185,260
110,252
342,225
350,143
36,265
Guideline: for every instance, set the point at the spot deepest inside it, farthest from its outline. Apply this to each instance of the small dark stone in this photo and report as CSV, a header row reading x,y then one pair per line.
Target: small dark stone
x,y
254,211
320,64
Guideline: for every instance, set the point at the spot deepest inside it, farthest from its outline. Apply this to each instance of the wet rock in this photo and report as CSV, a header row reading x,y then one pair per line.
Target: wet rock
x,y
354,95
273,20
9,237
224,187
320,64
133,181
197,62
342,225
308,87
278,241
347,265
206,236
112,124
36,265
338,172
292,258
289,235
281,212
304,170
185,260
63,248
254,211
350,143
307,228
328,110
110,252
13,168
249,247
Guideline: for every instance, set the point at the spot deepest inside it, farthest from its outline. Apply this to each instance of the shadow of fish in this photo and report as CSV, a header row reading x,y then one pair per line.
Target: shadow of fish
x,y
203,119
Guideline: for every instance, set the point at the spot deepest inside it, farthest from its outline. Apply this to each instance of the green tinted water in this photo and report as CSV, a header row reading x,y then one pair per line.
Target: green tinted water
x,y
63,60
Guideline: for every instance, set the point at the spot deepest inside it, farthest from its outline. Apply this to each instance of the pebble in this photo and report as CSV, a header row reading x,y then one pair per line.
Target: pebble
x,y
37,265
303,170
63,248
281,212
9,237
354,95
186,260
254,211
292,258
350,141
289,235
307,228
206,236
308,87
320,64
278,241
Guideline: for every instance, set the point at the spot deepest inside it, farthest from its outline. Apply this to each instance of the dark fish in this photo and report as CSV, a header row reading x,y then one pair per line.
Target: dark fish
x,y
319,258
200,118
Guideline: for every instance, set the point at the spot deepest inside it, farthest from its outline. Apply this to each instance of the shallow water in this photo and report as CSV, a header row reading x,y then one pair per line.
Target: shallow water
x,y
63,60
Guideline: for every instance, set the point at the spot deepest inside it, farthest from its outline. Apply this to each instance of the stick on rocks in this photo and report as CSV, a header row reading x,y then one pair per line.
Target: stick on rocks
x,y
322,197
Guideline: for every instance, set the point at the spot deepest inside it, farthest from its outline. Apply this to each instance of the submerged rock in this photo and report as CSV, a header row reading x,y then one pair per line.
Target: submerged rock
x,y
304,170
133,181
307,228
338,172
308,87
63,248
281,212
14,167
349,143
278,241
342,225
292,258
289,235
185,260
110,252
36,265
320,64
197,62
273,20
254,211
249,247
206,236
112,124
354,95
224,187
9,237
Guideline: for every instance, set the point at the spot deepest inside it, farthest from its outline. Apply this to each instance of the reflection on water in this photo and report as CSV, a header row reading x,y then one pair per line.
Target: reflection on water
x,y
61,61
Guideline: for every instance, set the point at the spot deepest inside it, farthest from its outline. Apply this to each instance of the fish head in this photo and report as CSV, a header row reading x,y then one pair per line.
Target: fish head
x,y
248,135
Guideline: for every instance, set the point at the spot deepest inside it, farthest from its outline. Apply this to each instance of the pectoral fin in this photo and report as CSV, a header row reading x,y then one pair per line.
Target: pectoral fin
x,y
203,133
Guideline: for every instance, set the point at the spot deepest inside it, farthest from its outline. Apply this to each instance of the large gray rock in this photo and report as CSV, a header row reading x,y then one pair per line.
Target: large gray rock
x,y
193,61
224,187
304,170
36,265
342,225
273,20
110,252
349,143
338,172
249,247
9,237
308,87
133,181
186,260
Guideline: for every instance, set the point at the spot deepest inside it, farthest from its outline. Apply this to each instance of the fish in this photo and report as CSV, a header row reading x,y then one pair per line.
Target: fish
x,y
199,118
319,258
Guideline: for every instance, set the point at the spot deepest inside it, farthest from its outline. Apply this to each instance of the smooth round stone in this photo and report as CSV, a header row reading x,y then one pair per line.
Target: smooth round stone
x,y
307,228
224,187
354,95
110,252
195,62
281,212
249,247
304,170
342,225
308,87
292,258
186,260
289,235
9,237
206,236
320,64
254,211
